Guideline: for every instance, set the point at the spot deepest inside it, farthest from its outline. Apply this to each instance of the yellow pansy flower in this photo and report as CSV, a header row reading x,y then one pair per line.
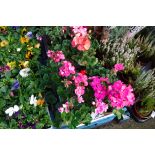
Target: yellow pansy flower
x,y
24,40
11,64
24,64
3,43
29,48
28,54
37,45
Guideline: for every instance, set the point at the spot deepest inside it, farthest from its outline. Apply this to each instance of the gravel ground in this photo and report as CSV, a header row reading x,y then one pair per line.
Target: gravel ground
x,y
129,124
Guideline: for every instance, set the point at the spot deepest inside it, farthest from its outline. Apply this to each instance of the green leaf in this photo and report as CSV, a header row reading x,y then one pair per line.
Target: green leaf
x,y
4,89
8,74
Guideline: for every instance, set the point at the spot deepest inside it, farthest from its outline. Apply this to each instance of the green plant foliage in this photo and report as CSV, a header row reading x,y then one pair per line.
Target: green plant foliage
x,y
145,84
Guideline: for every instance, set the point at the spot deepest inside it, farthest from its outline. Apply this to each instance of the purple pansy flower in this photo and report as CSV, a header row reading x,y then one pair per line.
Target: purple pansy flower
x,y
29,34
5,68
15,85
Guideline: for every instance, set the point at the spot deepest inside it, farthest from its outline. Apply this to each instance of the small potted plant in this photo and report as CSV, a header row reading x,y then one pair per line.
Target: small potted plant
x,y
143,108
144,87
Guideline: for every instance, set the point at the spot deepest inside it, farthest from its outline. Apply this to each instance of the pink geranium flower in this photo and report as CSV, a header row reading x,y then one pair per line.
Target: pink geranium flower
x,y
100,91
81,42
118,67
66,69
79,30
81,80
80,90
80,99
56,56
120,95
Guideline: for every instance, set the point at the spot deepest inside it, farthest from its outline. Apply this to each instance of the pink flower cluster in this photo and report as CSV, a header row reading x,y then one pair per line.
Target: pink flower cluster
x,y
64,108
98,87
56,56
66,69
118,67
79,30
100,107
81,81
120,95
80,40
79,91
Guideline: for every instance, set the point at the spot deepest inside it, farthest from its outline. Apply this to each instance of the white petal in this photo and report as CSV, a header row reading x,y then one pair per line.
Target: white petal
x,y
24,72
27,70
9,110
10,113
16,108
31,99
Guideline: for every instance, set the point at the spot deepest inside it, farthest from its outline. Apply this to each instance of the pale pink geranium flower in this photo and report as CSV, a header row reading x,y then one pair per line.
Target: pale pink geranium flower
x,y
118,67
79,91
82,31
61,109
100,107
56,56
80,99
64,108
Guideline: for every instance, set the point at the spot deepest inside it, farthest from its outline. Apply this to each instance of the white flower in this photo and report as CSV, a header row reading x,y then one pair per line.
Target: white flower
x,y
153,114
33,100
18,49
24,72
12,110
16,108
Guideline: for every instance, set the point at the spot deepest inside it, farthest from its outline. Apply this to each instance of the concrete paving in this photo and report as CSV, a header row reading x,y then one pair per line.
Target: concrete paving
x,y
129,124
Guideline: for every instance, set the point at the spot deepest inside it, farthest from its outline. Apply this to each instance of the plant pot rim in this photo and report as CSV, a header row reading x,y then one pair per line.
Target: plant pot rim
x,y
138,114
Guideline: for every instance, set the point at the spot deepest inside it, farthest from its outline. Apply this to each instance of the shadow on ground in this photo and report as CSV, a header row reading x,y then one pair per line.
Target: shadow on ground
x,y
129,124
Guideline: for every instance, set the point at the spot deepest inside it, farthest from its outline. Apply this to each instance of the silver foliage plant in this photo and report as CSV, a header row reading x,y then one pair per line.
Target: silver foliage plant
x,y
120,52
145,84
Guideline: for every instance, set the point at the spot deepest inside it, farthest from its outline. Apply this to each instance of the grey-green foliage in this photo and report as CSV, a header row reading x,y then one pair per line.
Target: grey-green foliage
x,y
145,84
120,52
118,32
147,45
